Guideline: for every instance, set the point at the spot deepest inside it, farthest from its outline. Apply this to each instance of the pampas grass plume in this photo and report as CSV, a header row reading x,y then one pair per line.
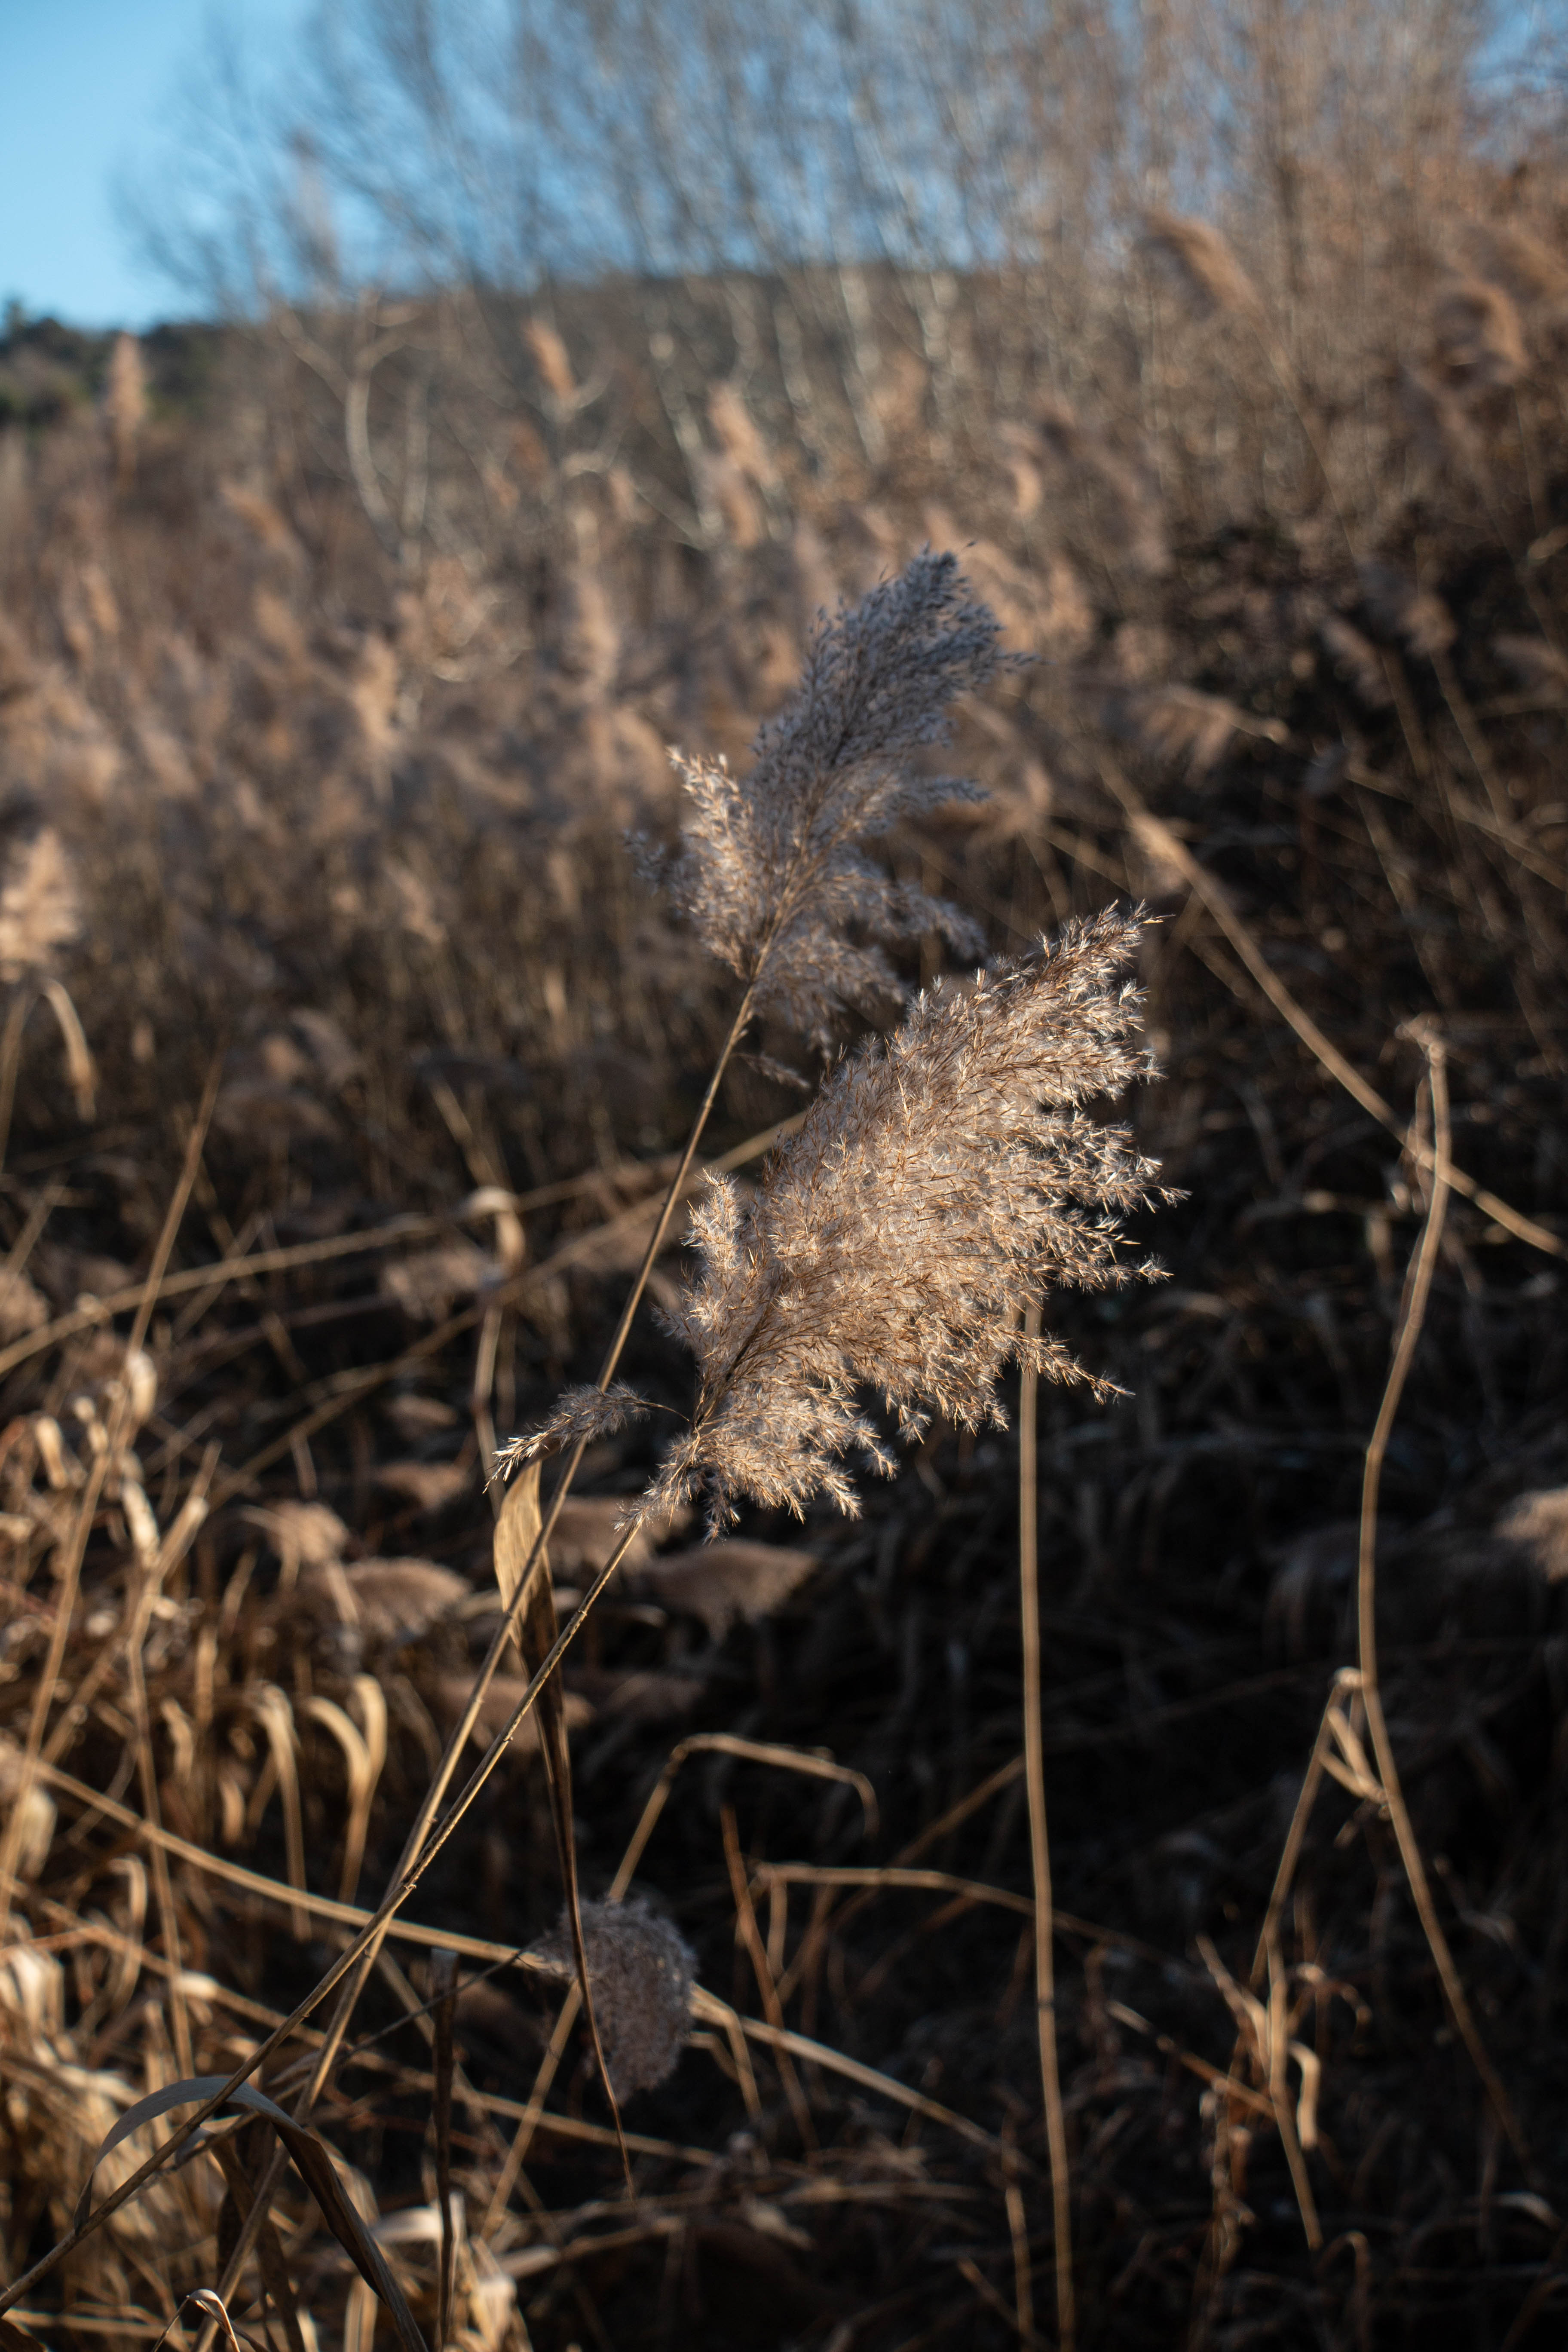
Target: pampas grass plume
x,y
770,874
941,1179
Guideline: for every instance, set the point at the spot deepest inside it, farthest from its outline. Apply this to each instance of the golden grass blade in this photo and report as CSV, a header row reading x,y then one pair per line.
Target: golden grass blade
x,y
725,1743
748,1933
276,1716
1346,1680
79,1067
362,1778
209,2093
1262,2025
874,1875
290,1899
714,2011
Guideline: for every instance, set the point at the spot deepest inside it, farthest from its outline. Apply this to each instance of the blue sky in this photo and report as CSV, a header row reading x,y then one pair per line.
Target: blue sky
x,y
85,88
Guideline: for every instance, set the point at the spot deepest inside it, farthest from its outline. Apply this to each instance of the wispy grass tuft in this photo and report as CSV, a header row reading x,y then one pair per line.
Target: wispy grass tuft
x,y
941,1179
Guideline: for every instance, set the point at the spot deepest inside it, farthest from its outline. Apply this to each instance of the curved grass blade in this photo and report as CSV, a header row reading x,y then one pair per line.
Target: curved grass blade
x,y
313,2163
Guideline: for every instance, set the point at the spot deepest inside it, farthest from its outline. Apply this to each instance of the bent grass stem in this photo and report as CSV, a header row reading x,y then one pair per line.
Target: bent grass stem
x,y
1417,1293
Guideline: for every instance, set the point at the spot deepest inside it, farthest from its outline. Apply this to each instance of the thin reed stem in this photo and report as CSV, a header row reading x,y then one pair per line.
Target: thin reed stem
x,y
513,1615
1417,1292
1039,1846
1346,1680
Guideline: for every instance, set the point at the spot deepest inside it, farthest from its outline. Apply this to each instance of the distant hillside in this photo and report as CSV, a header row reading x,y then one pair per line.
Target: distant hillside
x,y
46,369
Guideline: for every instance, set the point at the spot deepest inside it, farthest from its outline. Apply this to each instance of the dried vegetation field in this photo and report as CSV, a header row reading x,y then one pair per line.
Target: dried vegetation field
x,y
344,1057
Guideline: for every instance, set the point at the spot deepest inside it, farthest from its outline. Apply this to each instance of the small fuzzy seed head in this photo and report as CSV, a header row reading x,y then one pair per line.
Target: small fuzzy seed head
x,y
641,1972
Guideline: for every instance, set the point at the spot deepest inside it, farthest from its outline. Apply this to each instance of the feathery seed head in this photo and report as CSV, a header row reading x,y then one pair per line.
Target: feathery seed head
x,y
641,1972
770,874
943,1176
583,1414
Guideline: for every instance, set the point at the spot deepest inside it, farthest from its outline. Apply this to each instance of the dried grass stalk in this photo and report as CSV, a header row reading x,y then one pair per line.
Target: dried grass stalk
x,y
1356,660
1538,666
1178,724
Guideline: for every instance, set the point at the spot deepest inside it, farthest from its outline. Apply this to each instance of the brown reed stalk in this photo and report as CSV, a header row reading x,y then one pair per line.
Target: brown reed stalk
x,y
1039,1843
1334,1728
748,1933
1418,1287
516,1522
443,1972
